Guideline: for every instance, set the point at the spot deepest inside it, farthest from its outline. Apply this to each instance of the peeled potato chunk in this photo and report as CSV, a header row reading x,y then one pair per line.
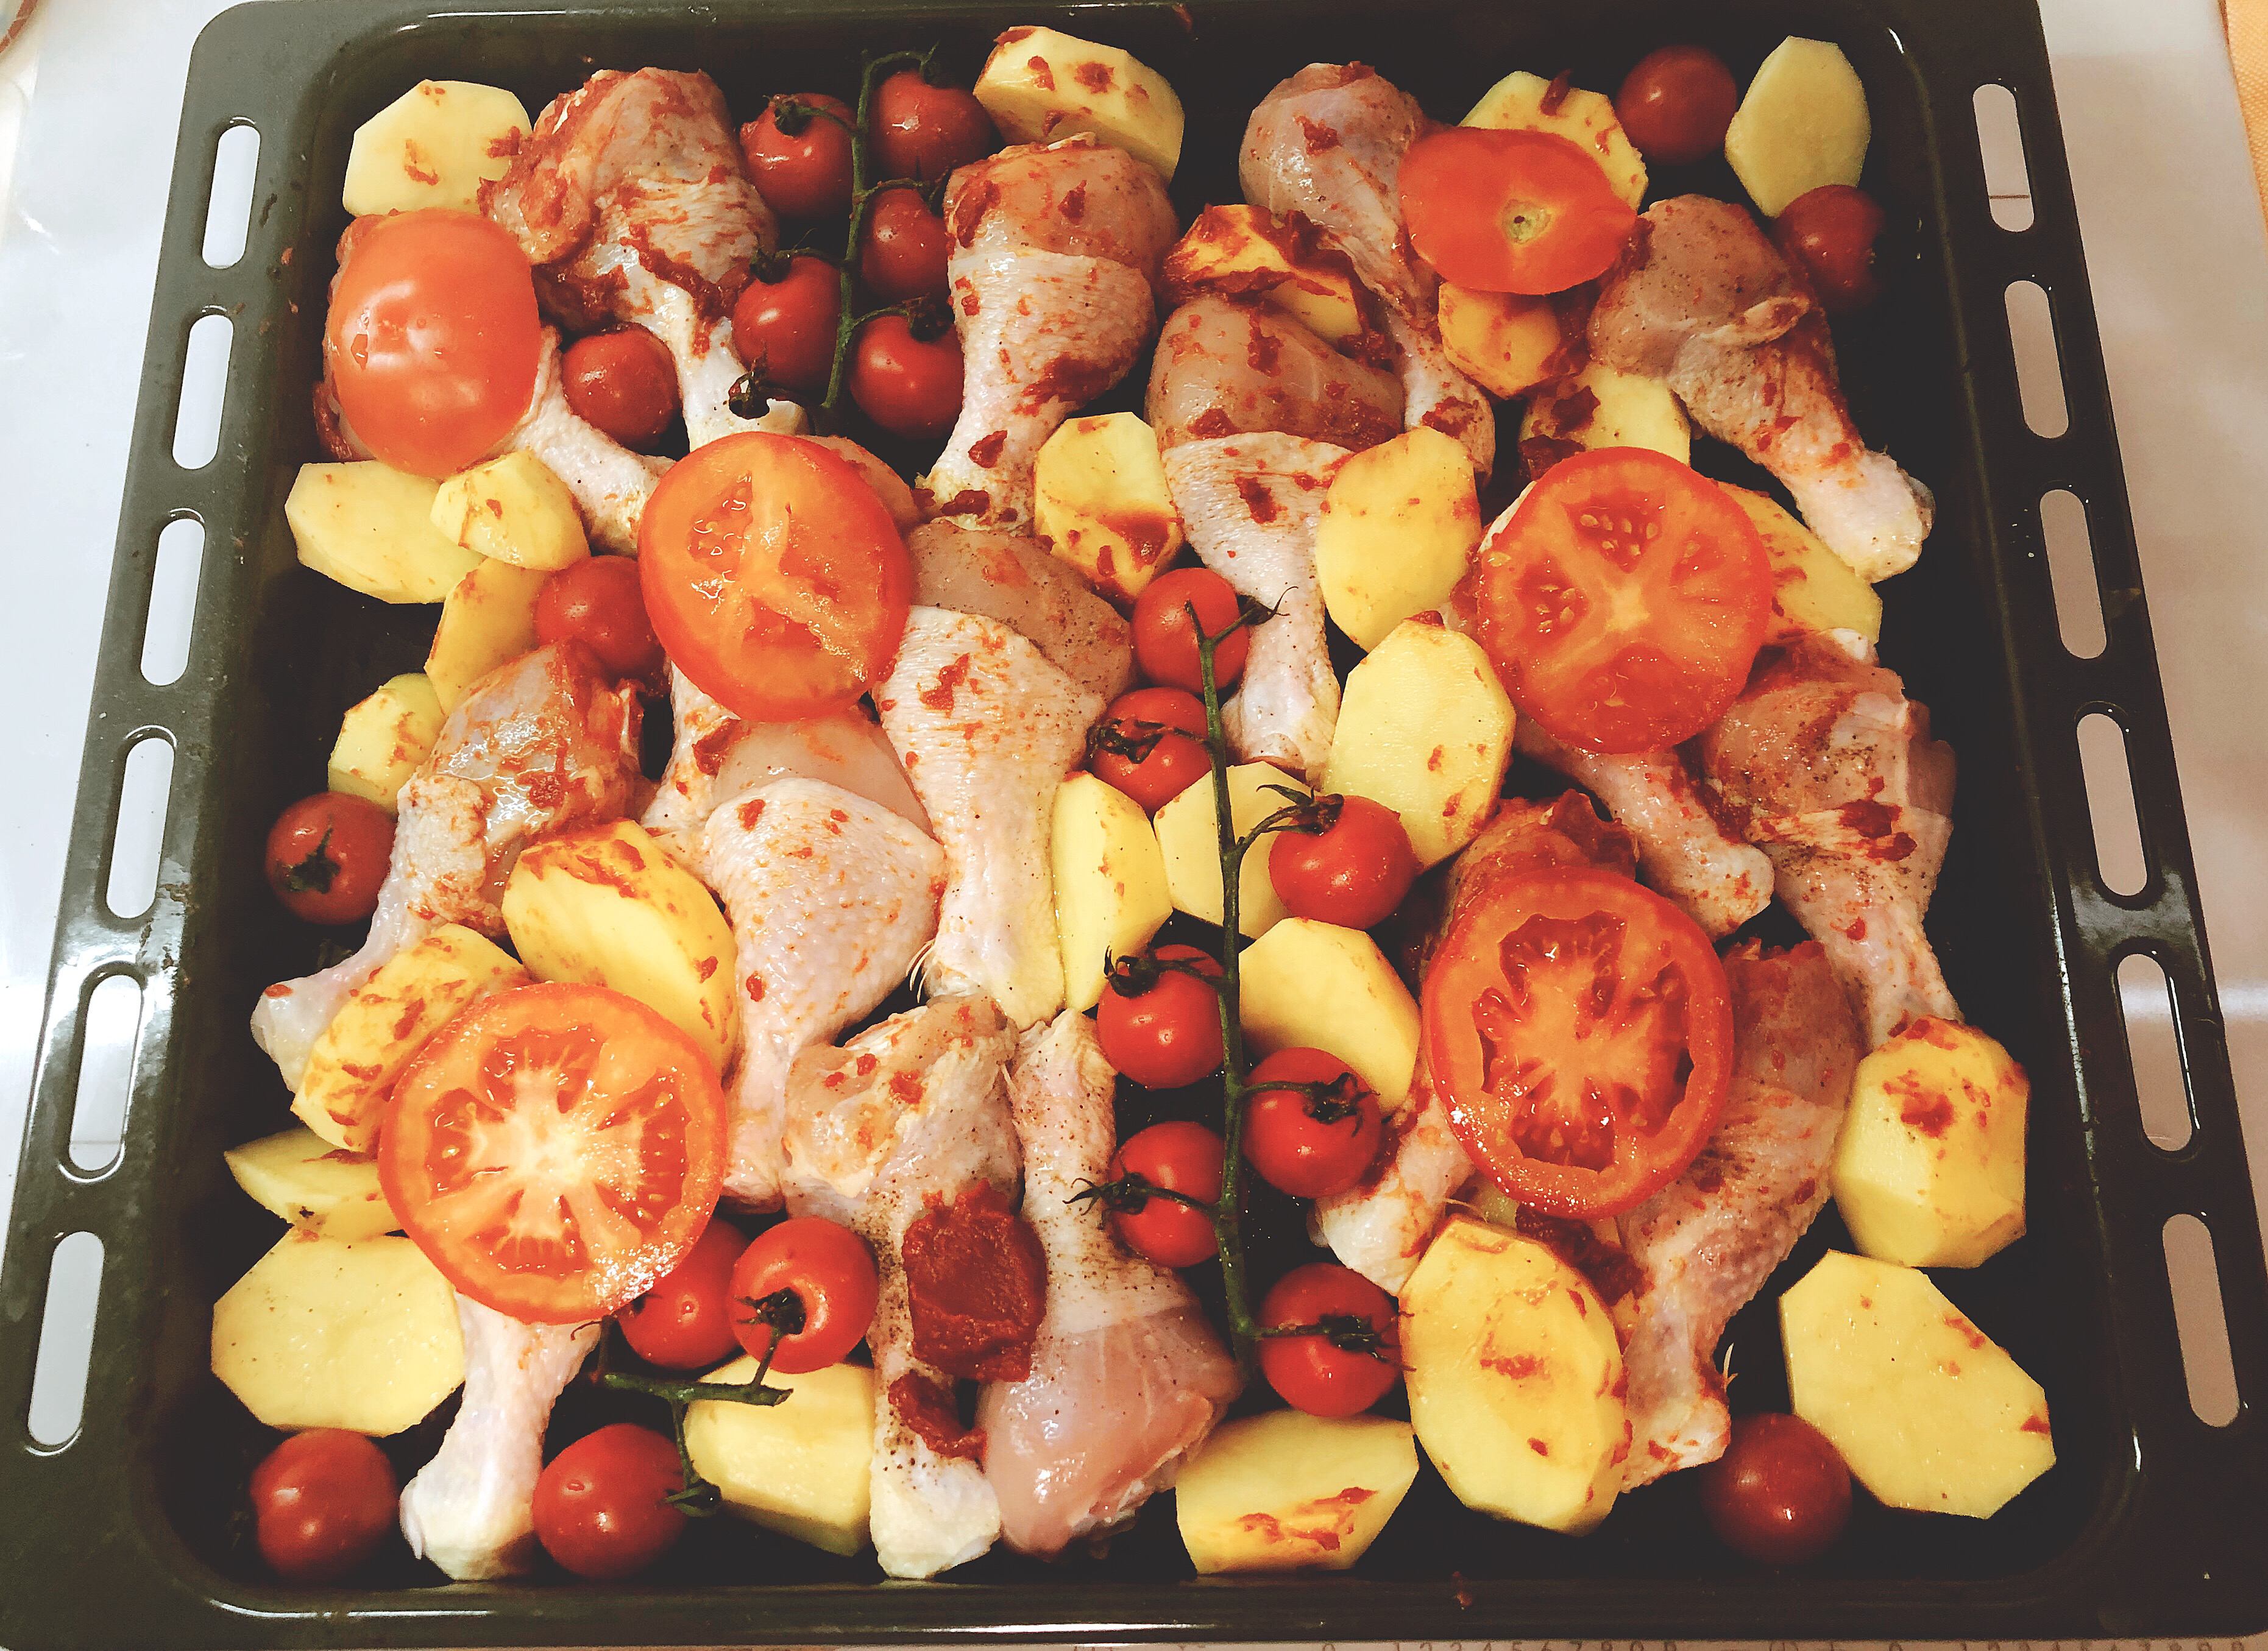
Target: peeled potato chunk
x,y
1285,1491
1316,986
1241,252
1040,85
1802,125
1100,504
803,1468
370,528
1189,836
1604,406
1399,524
433,146
299,1176
1929,1170
514,510
1111,897
1530,103
1506,343
1929,1412
383,738
488,620
1812,589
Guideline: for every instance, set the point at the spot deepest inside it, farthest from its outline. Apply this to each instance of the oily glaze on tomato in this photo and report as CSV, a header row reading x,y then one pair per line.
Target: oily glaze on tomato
x,y
1511,211
774,576
1623,601
555,1150
1580,1029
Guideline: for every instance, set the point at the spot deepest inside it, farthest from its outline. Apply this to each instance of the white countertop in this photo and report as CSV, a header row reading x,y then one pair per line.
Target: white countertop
x,y
91,96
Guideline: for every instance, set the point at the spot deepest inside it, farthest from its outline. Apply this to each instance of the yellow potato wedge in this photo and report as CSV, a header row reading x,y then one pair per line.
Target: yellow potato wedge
x,y
1506,343
1187,836
433,146
514,510
489,619
370,528
1285,1491
1530,103
383,738
302,1178
1111,897
1041,84
804,1468
1600,406
1812,589
1400,522
1802,124
1316,986
1100,504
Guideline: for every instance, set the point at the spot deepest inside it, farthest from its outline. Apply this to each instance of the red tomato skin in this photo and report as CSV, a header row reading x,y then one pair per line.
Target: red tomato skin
x,y
784,330
1308,1372
910,386
905,248
1464,189
1168,1035
924,131
1294,1151
685,1321
1181,1157
1176,762
1781,1493
1830,232
623,383
806,175
351,835
323,1502
598,603
832,1272
601,1505
1165,647
1354,875
1676,103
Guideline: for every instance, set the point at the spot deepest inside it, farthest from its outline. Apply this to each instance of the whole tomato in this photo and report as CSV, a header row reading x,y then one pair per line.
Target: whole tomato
x,y
1831,232
1780,1494
1676,104
809,1286
908,384
1165,642
598,602
785,329
323,1501
1318,1139
1159,1019
905,248
327,854
602,1507
1149,744
685,1321
623,383
799,152
1345,1356
1181,1158
1353,872
925,131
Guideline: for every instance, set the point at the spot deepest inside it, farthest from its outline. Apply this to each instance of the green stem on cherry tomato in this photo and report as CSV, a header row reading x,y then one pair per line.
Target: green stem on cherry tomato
x,y
862,200
695,1496
1131,1192
1349,1333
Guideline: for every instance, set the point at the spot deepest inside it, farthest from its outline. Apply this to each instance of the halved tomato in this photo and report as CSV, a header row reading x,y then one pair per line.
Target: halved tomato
x,y
774,576
555,1150
1580,1029
1511,211
1622,600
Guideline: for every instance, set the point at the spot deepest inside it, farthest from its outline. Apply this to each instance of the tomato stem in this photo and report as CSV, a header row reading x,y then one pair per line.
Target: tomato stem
x,y
695,1496
1131,1192
863,195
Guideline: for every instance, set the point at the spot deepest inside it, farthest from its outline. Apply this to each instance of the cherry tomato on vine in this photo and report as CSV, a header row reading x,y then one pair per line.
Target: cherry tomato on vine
x,y
1160,1026
623,383
327,854
322,1502
803,171
1511,211
597,602
1180,1157
904,253
784,330
1831,232
924,131
1676,103
1149,744
908,385
1781,1493
602,1506
1354,872
685,1321
827,1275
1310,1144
1347,1364
1164,644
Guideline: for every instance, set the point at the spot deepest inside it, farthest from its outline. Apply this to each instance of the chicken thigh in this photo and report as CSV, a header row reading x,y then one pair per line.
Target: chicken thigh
x,y
1013,579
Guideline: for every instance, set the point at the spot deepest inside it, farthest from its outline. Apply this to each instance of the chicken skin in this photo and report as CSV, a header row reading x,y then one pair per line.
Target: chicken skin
x,y
1013,579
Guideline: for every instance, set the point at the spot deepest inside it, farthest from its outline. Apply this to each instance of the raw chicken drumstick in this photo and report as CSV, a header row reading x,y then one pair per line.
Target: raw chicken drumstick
x,y
1013,579
539,746
1327,143
1127,1377
1056,249
633,200
1703,302
910,1110
1845,791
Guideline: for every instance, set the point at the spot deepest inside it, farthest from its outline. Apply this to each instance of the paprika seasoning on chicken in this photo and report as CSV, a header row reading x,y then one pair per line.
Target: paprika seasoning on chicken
x,y
976,1279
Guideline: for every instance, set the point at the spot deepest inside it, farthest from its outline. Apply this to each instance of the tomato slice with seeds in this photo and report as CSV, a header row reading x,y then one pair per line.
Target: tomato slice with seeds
x,y
1622,600
1581,1029
555,1150
774,576
1511,211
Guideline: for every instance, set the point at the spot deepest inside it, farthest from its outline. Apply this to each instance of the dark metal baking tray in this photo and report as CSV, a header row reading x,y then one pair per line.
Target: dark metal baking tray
x,y
2152,1523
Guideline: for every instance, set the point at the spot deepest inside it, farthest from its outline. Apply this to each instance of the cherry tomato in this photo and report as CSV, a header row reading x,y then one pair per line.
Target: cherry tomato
x,y
1831,231
327,856
824,1275
322,1502
908,385
1180,1157
685,1321
903,253
925,131
1149,744
1580,1029
1166,646
1511,211
623,383
1623,601
1676,103
1780,1494
432,342
542,1100
785,329
602,1506
1354,872
1161,1026
1311,1145
598,603
804,173
774,575
1348,1364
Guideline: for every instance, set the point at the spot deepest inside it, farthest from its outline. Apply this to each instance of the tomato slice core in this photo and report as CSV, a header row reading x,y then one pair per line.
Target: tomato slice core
x,y
1580,1029
555,1150
1511,211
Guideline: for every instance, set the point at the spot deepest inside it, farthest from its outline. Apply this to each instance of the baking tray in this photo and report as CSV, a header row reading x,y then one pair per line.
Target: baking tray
x,y
2152,1522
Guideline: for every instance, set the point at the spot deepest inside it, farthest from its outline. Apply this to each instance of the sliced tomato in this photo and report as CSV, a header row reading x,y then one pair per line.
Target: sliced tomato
x,y
555,1150
774,576
1511,211
1622,600
1581,1029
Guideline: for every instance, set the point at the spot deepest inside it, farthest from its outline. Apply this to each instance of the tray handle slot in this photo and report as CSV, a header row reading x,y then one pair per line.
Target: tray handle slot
x,y
2071,571
58,1401
2154,1049
2000,137
228,209
204,391
2039,364
137,840
169,623
2194,1273
2121,856
110,1046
